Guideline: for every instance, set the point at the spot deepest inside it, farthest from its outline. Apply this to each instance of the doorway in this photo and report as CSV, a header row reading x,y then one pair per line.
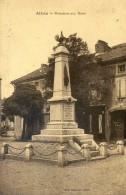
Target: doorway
x,y
97,122
118,125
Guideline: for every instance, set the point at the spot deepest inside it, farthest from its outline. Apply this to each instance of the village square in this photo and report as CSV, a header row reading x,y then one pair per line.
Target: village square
x,y
62,142
62,124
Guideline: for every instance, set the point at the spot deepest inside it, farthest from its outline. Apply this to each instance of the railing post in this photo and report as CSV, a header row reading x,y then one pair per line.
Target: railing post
x,y
86,152
4,150
103,149
62,156
29,151
120,147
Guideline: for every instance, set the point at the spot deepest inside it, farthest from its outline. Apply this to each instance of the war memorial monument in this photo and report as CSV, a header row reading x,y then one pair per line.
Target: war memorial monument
x,y
62,126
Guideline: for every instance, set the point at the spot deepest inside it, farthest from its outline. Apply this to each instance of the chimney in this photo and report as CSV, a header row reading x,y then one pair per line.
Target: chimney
x,y
101,46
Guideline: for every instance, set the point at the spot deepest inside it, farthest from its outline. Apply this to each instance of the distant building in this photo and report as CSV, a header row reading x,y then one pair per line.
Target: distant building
x,y
37,78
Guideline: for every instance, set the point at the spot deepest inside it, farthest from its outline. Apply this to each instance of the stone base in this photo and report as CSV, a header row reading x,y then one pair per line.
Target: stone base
x,y
62,125
10,133
60,138
62,131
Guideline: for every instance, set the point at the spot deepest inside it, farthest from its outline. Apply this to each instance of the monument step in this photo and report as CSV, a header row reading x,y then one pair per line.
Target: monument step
x,y
89,142
62,125
60,138
93,148
95,153
62,131
93,145
98,158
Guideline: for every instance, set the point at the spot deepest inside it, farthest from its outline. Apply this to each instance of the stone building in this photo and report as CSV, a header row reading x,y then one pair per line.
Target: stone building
x,y
107,120
36,78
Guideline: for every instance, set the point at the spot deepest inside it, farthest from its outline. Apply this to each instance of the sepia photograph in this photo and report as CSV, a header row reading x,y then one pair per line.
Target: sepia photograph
x,y
62,97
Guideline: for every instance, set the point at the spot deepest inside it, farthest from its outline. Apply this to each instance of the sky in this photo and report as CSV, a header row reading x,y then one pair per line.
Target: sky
x,y
27,34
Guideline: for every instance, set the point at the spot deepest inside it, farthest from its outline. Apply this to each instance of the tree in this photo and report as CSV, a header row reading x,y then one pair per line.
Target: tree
x,y
84,71
26,102
75,45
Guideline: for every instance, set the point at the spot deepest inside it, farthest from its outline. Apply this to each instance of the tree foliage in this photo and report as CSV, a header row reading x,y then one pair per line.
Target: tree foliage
x,y
26,102
75,45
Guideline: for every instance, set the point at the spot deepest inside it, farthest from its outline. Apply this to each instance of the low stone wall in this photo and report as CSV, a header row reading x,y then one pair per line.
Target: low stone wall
x,y
58,154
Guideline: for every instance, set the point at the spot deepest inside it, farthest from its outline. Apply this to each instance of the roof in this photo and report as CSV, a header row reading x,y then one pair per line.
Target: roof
x,y
116,52
39,73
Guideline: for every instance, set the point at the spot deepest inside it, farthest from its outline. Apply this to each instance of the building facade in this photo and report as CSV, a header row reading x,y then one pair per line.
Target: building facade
x,y
107,121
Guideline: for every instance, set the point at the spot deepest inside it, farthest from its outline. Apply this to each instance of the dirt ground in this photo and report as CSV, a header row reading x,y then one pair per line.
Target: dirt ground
x,y
102,177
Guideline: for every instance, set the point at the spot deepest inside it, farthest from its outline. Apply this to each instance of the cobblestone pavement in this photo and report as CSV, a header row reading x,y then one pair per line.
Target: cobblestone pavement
x,y
105,177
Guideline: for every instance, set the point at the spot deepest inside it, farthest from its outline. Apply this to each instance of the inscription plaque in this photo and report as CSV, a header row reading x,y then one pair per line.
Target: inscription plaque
x,y
68,112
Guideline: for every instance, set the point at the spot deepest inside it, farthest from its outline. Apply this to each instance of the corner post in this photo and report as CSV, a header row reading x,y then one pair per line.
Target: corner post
x,y
86,152
62,156
103,149
29,152
4,149
120,147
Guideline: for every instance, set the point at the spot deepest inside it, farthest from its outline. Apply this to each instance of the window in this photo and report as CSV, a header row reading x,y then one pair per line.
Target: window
x,y
121,88
121,68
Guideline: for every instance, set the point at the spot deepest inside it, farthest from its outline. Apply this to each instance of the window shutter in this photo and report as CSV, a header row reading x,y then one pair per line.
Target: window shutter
x,y
100,123
118,89
123,88
90,118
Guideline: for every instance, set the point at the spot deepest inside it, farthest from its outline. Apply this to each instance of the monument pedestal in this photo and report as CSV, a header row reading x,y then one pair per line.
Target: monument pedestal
x,y
62,126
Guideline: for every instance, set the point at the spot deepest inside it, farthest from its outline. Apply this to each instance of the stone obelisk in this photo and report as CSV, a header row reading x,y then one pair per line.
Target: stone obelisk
x,y
62,126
